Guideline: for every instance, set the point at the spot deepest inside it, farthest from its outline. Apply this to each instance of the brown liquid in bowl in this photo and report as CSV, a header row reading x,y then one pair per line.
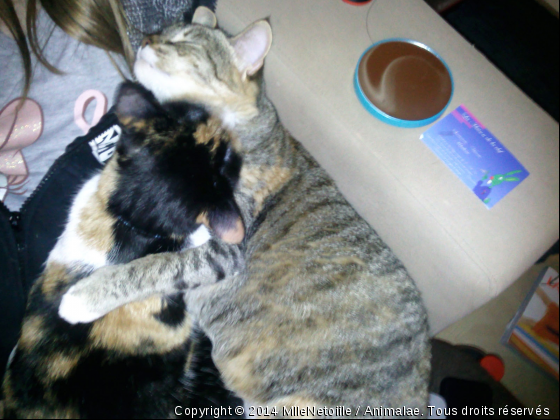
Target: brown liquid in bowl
x,y
405,81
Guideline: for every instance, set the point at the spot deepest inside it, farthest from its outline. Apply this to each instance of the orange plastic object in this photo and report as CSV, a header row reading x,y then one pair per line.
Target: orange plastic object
x,y
494,366
357,3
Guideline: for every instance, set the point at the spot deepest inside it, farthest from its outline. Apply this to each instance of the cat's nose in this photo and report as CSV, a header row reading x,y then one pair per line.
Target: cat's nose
x,y
146,41
149,40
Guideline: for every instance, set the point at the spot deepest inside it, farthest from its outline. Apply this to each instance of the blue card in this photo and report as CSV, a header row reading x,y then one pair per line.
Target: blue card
x,y
478,158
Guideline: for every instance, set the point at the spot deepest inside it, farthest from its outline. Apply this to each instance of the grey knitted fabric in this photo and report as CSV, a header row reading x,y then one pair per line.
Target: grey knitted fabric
x,y
151,16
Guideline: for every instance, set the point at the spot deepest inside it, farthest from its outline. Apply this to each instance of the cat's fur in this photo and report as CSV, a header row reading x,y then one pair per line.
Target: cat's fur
x,y
324,313
173,167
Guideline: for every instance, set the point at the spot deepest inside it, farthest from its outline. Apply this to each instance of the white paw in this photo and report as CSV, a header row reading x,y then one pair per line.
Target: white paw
x,y
199,237
74,310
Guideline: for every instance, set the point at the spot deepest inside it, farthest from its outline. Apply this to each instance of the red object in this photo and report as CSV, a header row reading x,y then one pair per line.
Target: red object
x,y
357,3
494,366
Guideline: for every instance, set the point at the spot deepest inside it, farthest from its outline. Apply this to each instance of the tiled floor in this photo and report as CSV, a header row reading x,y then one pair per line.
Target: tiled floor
x,y
484,328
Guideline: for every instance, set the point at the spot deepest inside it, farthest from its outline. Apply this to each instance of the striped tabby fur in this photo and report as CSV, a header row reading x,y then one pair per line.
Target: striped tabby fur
x,y
324,314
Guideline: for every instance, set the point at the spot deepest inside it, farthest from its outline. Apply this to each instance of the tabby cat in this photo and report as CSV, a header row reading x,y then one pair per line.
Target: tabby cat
x,y
324,314
173,168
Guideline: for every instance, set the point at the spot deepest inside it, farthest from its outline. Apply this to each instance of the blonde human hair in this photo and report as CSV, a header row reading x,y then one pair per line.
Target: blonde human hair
x,y
101,23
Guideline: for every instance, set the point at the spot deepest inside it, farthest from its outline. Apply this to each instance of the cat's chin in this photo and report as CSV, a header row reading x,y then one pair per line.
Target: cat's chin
x,y
146,72
147,55
155,80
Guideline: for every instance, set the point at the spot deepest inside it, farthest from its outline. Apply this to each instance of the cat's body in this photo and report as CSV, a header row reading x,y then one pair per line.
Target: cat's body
x,y
142,360
324,314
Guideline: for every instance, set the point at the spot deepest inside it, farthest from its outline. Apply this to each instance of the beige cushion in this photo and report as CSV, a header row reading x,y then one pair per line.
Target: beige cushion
x,y
460,253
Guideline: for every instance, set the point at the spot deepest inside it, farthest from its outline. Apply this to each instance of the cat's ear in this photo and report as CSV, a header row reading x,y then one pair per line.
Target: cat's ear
x,y
205,17
227,223
252,46
134,102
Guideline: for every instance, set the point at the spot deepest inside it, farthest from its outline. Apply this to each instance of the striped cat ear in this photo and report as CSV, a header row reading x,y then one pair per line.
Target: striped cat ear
x,y
205,17
252,46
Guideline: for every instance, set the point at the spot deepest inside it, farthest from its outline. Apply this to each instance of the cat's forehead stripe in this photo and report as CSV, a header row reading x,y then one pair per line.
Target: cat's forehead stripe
x,y
181,35
194,32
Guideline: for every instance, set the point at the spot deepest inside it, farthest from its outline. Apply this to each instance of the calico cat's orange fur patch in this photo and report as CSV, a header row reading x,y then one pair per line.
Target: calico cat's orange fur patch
x,y
96,224
133,329
55,274
133,123
33,331
59,365
213,131
210,131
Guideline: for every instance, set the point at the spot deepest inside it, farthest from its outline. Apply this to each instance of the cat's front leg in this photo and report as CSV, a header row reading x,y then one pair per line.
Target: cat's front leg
x,y
113,286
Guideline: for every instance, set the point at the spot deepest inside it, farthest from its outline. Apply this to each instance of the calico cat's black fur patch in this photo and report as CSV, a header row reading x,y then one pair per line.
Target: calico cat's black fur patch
x,y
164,179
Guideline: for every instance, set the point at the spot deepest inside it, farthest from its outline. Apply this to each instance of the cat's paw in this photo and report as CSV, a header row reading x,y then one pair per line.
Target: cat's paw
x,y
74,310
199,237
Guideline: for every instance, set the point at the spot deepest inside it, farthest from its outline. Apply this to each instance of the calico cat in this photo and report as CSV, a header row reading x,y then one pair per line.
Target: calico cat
x,y
324,314
174,167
